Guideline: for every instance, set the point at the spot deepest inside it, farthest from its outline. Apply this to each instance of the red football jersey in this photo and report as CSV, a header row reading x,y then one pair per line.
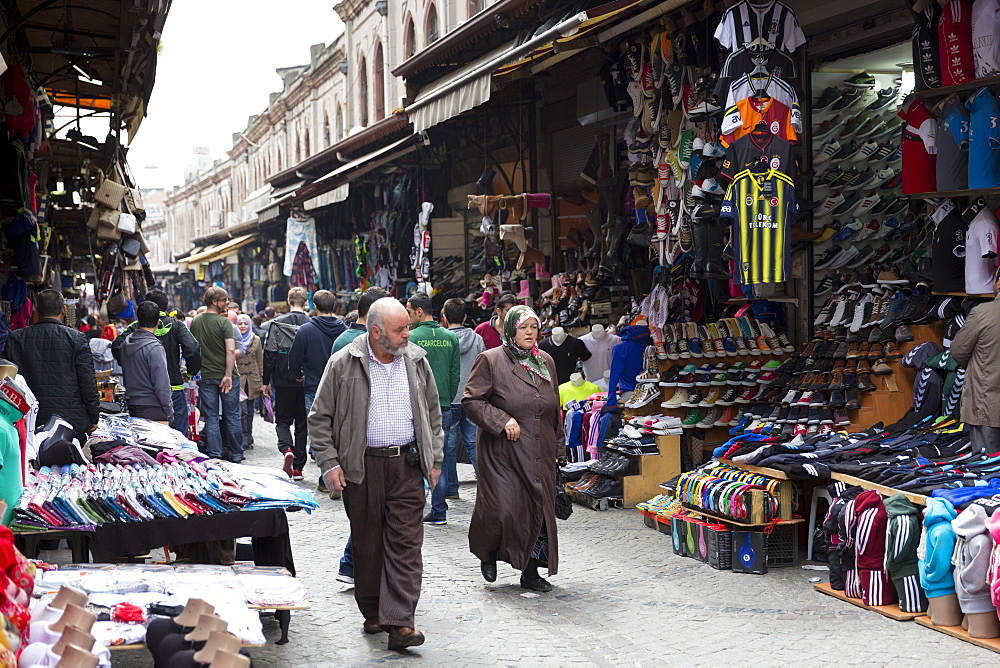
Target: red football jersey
x,y
958,64
919,148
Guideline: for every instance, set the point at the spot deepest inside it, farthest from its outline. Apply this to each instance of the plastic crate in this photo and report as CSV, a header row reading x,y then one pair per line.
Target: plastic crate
x,y
783,546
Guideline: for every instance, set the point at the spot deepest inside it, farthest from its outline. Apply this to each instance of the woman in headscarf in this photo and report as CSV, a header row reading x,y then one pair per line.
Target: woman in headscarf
x,y
511,395
251,368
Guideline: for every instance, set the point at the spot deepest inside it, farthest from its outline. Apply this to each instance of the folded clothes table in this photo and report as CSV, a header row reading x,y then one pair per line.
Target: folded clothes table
x,y
268,530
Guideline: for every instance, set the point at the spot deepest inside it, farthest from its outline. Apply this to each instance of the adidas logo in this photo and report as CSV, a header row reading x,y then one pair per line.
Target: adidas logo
x,y
925,45
956,61
746,24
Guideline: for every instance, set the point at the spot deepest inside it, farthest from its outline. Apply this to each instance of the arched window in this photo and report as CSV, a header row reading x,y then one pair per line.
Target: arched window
x,y
340,123
409,39
363,92
306,148
326,129
431,27
475,6
379,74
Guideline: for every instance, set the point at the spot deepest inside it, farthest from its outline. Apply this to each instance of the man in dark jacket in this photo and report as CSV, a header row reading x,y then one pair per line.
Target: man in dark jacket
x,y
289,401
58,365
177,340
313,342
144,367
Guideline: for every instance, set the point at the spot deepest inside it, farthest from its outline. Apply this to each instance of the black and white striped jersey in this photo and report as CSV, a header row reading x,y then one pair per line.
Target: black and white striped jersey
x,y
745,21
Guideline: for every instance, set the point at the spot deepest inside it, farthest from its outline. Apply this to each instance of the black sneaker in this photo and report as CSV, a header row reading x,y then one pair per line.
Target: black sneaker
x,y
862,80
813,416
826,416
853,402
827,99
825,286
430,519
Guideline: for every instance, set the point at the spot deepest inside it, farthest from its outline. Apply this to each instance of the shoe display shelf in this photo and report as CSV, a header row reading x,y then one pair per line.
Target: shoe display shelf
x,y
893,395
711,437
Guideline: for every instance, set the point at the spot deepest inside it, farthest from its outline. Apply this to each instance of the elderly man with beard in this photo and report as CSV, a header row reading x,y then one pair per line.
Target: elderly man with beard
x,y
376,432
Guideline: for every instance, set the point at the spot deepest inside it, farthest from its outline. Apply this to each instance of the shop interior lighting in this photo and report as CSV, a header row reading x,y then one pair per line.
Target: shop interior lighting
x,y
907,80
86,78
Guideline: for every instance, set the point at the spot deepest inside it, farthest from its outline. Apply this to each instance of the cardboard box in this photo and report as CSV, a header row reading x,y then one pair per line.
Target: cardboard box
x,y
749,552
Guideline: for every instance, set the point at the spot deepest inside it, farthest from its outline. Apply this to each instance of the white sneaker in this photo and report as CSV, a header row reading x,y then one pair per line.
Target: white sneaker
x,y
712,150
866,151
830,149
829,204
865,204
678,399
844,257
346,579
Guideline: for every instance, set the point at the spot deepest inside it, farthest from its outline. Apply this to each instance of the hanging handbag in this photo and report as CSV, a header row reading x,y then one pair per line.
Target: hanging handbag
x,y
110,193
126,223
564,502
107,228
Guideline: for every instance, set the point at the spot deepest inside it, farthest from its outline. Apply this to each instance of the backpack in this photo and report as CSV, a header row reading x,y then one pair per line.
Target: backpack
x,y
279,341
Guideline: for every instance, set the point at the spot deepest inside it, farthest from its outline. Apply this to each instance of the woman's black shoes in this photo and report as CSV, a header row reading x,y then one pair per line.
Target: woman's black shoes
x,y
535,583
489,569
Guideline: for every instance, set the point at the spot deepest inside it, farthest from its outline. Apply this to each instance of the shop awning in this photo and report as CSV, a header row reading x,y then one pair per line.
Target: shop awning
x,y
595,18
357,168
218,252
454,94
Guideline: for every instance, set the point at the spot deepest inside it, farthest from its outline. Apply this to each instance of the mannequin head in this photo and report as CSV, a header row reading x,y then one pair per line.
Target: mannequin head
x,y
206,624
74,615
195,608
599,332
576,379
559,335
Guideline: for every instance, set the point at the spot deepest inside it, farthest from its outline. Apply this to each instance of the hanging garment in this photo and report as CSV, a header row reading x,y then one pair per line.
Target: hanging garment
x,y
303,269
299,231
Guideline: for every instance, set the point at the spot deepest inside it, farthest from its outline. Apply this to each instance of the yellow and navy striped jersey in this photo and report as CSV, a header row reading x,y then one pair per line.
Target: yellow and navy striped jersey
x,y
761,208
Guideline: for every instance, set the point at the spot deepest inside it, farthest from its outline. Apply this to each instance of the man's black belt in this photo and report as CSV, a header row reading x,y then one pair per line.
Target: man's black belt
x,y
391,451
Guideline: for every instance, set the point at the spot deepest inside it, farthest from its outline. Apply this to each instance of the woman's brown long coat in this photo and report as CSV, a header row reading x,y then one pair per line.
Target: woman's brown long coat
x,y
516,479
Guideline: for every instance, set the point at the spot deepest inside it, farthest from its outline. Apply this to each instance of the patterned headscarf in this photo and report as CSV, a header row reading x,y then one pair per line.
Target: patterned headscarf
x,y
529,359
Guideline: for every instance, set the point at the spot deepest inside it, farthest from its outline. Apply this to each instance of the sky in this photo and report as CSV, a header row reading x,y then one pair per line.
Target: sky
x,y
215,69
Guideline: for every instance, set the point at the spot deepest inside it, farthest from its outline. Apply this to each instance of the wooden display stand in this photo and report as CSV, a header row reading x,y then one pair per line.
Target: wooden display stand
x,y
653,469
886,405
992,644
890,611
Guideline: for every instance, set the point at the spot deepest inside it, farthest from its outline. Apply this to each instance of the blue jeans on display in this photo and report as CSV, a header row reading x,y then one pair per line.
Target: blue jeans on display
x,y
180,419
210,395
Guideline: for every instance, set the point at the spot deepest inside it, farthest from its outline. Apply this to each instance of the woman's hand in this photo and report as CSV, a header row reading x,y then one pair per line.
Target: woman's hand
x,y
512,429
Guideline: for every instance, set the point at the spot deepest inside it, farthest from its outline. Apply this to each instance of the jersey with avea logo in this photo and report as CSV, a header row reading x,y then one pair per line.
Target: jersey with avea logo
x,y
761,208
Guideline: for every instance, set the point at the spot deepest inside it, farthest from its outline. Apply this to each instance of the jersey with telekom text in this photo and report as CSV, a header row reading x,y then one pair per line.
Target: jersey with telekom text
x,y
984,140
952,141
986,37
762,150
926,57
919,148
777,63
761,208
767,86
743,23
748,113
955,43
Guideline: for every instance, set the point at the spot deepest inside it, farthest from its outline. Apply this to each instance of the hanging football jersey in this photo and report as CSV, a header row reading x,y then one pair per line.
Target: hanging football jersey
x,y
952,141
955,43
980,248
760,149
765,86
926,58
986,47
761,208
748,113
745,22
777,63
948,266
984,140
919,148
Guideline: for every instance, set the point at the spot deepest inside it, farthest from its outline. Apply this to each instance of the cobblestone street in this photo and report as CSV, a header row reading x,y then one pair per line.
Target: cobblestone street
x,y
622,598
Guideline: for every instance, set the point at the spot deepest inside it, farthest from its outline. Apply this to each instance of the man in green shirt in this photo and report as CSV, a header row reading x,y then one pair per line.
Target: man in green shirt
x,y
214,333
359,327
444,356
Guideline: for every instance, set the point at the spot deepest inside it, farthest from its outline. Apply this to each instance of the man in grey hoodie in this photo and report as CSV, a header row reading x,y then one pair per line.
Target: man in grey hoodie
x,y
144,367
456,422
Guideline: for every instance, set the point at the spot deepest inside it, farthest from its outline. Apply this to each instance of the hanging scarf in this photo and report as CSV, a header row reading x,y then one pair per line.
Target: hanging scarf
x,y
530,359
249,334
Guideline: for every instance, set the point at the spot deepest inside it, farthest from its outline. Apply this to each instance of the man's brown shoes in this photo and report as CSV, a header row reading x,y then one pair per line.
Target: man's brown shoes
x,y
372,626
401,637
